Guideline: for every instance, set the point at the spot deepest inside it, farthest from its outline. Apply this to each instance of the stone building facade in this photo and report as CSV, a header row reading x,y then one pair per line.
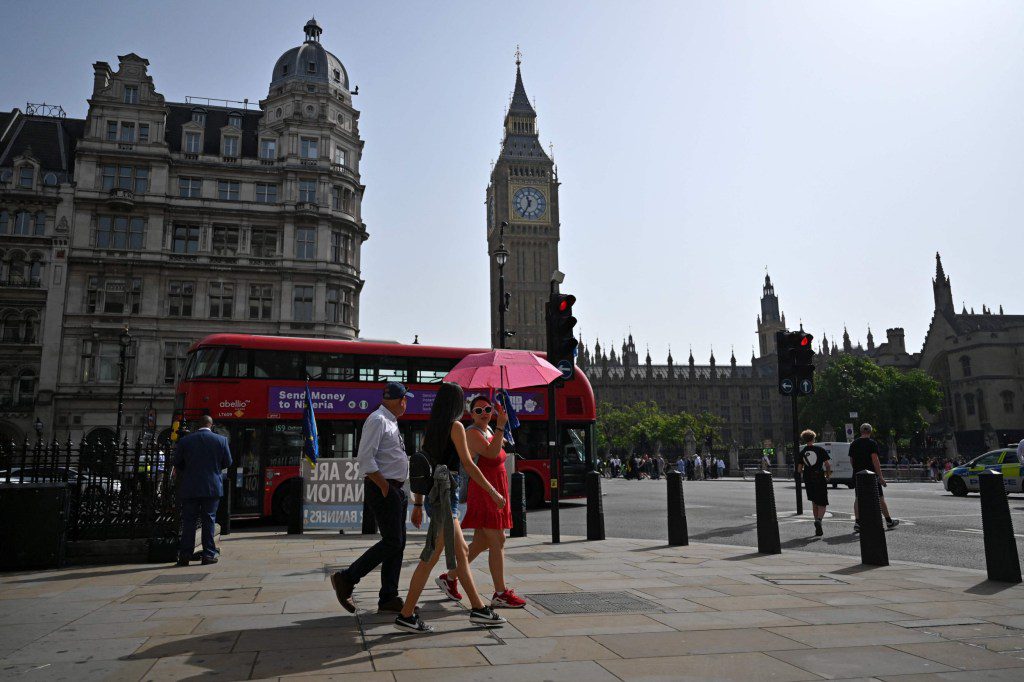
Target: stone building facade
x,y
180,219
523,192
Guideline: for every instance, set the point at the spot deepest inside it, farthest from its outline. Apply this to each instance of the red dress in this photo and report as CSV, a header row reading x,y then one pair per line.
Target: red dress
x,y
481,511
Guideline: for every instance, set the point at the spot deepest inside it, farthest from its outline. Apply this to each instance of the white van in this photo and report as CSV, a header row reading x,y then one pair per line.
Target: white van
x,y
842,469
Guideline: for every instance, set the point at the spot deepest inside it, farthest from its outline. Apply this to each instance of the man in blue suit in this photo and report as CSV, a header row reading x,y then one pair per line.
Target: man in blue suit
x,y
199,459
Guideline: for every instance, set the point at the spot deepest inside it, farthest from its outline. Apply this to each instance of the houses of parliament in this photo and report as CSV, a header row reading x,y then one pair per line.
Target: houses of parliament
x,y
977,358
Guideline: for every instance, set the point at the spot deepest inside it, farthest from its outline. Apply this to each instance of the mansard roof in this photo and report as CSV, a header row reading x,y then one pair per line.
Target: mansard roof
x,y
51,140
180,113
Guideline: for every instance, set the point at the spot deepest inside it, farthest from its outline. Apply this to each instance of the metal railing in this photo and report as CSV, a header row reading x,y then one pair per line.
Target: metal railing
x,y
117,491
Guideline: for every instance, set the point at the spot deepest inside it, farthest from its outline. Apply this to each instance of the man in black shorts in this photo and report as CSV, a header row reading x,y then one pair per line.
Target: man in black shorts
x,y
864,457
816,468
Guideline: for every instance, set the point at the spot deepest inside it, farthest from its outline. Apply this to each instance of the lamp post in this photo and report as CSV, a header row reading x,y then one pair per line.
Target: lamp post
x,y
125,340
39,428
501,257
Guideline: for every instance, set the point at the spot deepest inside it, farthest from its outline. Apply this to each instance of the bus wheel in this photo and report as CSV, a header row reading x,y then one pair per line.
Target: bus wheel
x,y
286,500
534,492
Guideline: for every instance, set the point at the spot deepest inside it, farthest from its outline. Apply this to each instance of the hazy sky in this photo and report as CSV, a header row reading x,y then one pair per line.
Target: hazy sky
x,y
839,144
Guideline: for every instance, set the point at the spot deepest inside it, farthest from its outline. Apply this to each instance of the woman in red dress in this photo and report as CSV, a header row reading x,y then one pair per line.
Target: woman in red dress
x,y
482,514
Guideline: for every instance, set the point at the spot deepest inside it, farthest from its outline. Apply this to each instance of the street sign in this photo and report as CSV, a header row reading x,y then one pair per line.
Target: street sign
x,y
806,386
853,415
566,368
849,433
786,386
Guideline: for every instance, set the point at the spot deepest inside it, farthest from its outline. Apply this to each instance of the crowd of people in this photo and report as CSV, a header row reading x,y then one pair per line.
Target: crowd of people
x,y
641,467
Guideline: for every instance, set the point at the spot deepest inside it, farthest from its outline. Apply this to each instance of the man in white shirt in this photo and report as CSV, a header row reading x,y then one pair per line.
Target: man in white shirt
x,y
385,464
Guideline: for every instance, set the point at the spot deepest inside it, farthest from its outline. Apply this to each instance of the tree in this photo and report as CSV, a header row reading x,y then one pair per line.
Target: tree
x,y
893,402
644,427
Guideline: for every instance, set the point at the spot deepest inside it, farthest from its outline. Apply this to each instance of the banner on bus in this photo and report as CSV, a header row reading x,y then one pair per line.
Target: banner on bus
x,y
333,495
292,400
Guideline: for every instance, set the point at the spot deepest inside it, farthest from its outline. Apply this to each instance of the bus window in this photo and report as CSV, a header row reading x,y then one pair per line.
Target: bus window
x,y
343,440
235,363
272,364
207,362
282,445
331,367
574,442
430,371
393,369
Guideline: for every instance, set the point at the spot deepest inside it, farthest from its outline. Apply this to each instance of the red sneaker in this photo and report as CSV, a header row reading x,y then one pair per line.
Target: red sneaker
x,y
450,586
507,600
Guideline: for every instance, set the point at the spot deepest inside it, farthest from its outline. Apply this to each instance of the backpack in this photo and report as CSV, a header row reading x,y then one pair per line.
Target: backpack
x,y
421,473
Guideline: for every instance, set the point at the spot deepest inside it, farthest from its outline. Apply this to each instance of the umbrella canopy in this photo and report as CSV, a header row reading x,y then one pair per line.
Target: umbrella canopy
x,y
509,369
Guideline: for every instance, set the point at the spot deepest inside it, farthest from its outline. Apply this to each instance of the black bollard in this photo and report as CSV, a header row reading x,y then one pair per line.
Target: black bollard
x,y
1001,558
595,507
767,520
369,520
295,518
518,502
873,550
678,534
224,509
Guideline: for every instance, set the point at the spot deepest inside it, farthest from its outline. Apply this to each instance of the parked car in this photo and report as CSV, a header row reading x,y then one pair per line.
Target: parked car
x,y
87,483
964,479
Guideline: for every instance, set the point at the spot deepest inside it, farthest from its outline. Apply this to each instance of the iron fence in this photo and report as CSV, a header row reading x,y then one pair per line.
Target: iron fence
x,y
118,491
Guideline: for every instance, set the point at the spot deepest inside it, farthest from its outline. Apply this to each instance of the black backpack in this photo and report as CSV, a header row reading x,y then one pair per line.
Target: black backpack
x,y
421,473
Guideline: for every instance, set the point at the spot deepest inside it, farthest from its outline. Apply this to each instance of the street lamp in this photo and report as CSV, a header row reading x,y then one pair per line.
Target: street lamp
x,y
501,257
39,428
125,340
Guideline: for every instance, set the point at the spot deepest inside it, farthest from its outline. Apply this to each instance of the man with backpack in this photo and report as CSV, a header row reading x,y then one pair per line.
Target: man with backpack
x,y
385,464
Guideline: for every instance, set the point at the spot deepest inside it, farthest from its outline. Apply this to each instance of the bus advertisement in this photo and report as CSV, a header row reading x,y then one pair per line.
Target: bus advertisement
x,y
254,388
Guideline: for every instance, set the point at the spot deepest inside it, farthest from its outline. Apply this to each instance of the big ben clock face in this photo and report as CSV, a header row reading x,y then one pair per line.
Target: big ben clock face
x,y
529,203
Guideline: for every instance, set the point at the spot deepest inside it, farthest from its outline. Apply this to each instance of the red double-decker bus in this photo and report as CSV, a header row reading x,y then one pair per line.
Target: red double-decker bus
x,y
254,388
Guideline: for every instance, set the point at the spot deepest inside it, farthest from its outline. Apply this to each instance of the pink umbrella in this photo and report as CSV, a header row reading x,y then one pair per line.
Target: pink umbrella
x,y
501,369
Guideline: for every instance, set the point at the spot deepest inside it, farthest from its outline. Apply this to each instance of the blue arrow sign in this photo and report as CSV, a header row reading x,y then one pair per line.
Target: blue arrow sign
x,y
565,367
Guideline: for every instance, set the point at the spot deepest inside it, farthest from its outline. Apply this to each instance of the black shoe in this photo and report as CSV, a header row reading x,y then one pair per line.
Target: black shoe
x,y
486,617
817,529
413,624
182,562
892,523
343,591
209,560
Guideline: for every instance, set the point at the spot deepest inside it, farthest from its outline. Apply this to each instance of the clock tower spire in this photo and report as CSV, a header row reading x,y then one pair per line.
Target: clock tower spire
x,y
523,191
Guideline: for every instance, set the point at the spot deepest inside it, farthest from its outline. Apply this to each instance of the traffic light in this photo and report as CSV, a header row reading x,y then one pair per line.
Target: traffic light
x,y
796,362
562,341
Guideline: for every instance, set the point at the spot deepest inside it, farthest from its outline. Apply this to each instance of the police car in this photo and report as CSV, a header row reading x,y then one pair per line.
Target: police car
x,y
964,479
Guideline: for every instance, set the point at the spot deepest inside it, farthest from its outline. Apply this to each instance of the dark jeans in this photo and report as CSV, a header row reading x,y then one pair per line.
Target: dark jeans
x,y
203,509
390,513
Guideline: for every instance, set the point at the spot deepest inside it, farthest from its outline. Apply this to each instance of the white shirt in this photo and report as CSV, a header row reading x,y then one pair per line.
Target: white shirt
x,y
381,447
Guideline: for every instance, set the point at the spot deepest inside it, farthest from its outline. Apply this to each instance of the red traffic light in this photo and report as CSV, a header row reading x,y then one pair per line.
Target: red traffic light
x,y
566,303
805,341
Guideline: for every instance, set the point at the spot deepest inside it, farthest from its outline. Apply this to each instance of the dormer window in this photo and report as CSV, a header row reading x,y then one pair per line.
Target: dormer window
x,y
193,143
199,116
337,76
131,94
235,120
25,177
311,68
284,70
230,146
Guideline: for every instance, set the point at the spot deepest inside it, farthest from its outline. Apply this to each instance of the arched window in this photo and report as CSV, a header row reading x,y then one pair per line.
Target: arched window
x,y
16,271
965,365
30,333
40,226
23,223
25,389
35,272
10,327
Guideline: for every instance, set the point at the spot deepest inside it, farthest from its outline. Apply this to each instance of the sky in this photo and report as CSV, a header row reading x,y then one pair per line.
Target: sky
x,y
836,146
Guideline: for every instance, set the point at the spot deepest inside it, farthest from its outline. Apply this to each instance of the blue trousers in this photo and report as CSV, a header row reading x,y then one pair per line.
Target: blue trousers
x,y
203,510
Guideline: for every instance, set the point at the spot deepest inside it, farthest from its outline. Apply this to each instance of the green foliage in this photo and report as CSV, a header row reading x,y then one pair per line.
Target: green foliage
x,y
892,401
642,427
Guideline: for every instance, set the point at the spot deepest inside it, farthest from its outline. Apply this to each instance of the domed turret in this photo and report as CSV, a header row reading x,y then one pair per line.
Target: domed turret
x,y
310,63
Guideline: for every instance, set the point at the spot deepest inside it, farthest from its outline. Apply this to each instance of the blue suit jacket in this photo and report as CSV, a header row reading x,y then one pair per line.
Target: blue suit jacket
x,y
199,458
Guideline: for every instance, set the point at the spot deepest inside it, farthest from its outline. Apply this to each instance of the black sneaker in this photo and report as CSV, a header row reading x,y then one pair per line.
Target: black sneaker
x,y
817,529
413,624
486,617
892,523
856,527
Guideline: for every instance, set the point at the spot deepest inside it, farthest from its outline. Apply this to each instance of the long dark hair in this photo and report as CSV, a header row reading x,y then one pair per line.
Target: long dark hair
x,y
449,404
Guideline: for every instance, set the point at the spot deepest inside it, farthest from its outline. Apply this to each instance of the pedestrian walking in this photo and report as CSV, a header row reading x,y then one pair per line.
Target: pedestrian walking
x,y
864,457
660,466
698,468
721,467
385,467
489,522
445,444
199,460
815,466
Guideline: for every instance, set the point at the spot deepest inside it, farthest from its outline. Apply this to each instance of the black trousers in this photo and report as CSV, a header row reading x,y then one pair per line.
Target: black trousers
x,y
390,513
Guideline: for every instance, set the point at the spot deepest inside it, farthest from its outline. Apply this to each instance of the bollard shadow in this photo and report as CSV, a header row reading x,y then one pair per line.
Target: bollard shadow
x,y
856,568
84,575
723,532
744,557
990,587
847,539
797,543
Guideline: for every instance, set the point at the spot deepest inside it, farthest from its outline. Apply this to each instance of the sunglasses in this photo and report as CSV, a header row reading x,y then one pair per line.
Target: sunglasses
x,y
482,410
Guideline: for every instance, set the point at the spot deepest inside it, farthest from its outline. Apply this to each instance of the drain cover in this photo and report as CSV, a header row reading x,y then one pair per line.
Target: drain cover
x,y
177,578
593,602
801,580
545,556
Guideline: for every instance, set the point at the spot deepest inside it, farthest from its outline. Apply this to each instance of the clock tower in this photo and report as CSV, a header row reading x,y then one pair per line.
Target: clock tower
x,y
523,192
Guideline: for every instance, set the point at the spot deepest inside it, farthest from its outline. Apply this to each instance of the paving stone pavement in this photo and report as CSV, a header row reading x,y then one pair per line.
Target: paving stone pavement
x,y
267,611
